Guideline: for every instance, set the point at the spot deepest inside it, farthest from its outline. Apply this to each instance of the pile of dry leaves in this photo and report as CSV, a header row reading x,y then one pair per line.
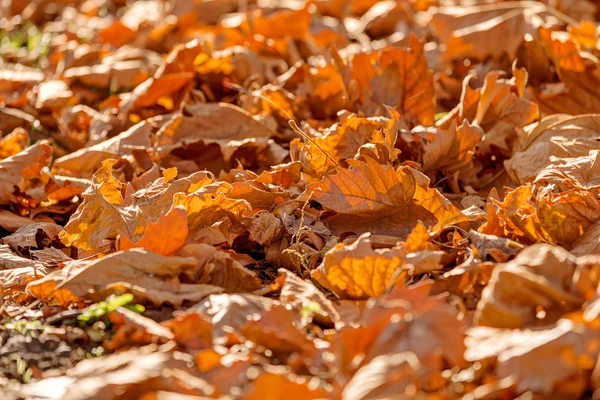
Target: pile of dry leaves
x,y
322,199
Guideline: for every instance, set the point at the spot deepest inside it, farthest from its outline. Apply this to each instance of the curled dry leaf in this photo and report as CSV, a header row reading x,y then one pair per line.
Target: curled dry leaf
x,y
468,31
562,136
384,376
306,298
22,171
26,236
87,230
399,78
220,268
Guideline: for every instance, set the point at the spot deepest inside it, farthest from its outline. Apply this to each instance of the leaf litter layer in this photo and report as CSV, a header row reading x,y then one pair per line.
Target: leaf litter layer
x,y
324,199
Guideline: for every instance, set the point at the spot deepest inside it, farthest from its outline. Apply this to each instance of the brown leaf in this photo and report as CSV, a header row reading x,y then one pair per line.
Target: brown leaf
x,y
22,170
130,374
88,231
133,329
469,32
220,268
555,360
357,271
579,172
26,235
279,386
398,78
451,149
230,311
147,275
385,376
89,159
307,299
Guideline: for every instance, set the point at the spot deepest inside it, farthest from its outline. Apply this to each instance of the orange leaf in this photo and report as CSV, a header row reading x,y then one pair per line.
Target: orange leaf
x,y
164,236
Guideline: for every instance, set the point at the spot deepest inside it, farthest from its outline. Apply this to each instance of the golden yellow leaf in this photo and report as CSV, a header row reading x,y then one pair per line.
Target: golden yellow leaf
x,y
205,207
104,215
357,271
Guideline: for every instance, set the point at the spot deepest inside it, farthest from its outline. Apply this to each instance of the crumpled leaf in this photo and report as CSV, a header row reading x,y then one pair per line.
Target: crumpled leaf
x,y
561,136
566,173
426,326
122,374
281,386
26,235
104,214
398,78
89,159
534,214
311,302
535,288
453,148
133,329
469,31
387,375
553,360
220,268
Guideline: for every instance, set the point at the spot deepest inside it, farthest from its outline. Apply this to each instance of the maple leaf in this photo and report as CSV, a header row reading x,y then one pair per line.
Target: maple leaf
x,y
369,197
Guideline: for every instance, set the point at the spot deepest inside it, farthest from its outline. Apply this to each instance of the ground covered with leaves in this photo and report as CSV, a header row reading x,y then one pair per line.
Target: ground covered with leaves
x,y
324,199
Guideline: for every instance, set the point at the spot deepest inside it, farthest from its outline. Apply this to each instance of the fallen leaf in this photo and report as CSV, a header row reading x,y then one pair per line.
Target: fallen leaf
x,y
375,198
162,237
147,275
